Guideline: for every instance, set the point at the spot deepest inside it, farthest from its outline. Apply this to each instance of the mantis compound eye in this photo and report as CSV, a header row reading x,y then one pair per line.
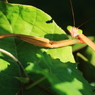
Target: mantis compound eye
x,y
74,31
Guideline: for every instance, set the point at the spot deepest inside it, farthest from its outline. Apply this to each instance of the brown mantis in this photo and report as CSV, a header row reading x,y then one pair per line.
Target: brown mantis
x,y
44,42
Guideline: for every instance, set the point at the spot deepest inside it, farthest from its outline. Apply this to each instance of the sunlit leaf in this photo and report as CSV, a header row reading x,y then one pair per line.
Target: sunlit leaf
x,y
57,65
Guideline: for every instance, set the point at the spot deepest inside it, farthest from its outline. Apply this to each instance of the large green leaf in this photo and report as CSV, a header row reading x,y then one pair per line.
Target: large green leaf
x,y
57,65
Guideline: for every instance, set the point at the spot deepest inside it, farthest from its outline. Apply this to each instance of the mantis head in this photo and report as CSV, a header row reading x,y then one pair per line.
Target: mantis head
x,y
74,31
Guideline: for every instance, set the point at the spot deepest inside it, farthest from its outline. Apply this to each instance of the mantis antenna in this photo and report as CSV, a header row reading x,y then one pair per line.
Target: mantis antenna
x,y
73,16
75,32
86,21
72,10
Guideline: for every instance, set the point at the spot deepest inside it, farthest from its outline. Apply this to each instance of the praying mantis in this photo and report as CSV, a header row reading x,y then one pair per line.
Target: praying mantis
x,y
44,42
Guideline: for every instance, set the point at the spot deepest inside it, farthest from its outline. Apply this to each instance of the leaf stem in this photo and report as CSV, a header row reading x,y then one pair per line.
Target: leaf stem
x,y
82,57
15,59
35,83
43,88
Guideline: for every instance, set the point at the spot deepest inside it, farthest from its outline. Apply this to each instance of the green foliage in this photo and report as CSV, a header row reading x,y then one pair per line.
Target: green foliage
x,y
86,66
56,65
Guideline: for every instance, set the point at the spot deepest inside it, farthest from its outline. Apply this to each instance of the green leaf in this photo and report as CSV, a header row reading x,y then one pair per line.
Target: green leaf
x,y
57,65
89,63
